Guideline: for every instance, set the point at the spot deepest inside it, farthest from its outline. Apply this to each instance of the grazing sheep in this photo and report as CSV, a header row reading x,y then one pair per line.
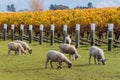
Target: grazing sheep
x,y
68,39
98,54
24,45
70,49
15,47
55,56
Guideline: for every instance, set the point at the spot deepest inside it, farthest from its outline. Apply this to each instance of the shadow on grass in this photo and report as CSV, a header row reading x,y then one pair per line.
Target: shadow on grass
x,y
40,69
82,65
32,69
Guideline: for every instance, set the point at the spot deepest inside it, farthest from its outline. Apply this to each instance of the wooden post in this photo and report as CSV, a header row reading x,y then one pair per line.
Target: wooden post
x,y
64,33
41,34
5,32
77,35
92,37
21,32
52,34
12,32
30,33
110,36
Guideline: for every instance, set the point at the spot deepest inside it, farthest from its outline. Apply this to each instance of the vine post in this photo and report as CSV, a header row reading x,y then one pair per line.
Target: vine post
x,y
21,32
52,34
12,32
77,35
92,35
64,33
110,36
5,32
30,33
41,34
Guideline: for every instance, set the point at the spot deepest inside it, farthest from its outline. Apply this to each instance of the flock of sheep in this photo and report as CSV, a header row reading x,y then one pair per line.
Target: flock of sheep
x,y
20,47
55,56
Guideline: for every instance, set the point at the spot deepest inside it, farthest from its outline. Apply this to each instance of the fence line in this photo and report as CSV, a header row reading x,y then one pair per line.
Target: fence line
x,y
77,40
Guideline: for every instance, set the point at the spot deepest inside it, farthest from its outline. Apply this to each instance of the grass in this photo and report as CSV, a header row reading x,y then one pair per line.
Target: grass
x,y
32,66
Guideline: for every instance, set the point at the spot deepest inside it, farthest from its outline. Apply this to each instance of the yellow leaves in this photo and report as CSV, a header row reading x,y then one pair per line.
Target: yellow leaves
x,y
59,17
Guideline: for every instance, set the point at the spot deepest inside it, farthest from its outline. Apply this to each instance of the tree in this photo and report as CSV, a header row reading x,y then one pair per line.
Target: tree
x,y
90,5
36,5
60,7
11,8
8,8
53,7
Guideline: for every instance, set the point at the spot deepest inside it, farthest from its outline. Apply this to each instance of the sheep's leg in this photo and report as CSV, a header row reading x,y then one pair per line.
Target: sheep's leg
x,y
16,52
60,64
51,64
46,63
19,51
70,56
9,52
89,59
95,60
98,61
73,56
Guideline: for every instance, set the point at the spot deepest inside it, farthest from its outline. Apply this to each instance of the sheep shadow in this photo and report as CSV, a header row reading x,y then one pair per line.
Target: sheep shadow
x,y
82,65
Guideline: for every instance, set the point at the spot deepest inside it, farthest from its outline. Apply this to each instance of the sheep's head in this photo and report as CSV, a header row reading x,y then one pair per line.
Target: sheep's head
x,y
104,61
69,65
30,51
76,57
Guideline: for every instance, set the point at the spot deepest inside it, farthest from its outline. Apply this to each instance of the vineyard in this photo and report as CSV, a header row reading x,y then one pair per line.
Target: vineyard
x,y
99,27
101,17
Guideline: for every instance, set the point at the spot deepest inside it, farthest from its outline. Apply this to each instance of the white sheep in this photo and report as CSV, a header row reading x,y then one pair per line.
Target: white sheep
x,y
12,46
68,39
55,56
24,45
98,54
69,49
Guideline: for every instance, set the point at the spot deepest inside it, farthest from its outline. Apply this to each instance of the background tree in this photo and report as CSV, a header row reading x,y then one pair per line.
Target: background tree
x,y
52,7
90,5
60,7
11,8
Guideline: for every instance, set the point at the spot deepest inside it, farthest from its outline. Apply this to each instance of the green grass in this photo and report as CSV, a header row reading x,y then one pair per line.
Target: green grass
x,y
32,66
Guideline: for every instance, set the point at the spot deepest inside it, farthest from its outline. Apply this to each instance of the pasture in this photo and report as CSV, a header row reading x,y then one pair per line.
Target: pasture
x,y
32,66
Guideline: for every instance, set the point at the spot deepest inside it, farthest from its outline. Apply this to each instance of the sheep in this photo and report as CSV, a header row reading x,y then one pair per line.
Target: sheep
x,y
15,47
24,45
69,49
55,56
68,39
98,54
